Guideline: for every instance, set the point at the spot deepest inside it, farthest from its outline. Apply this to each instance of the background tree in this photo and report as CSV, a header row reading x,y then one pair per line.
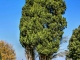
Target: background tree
x,y
7,52
74,45
62,51
41,27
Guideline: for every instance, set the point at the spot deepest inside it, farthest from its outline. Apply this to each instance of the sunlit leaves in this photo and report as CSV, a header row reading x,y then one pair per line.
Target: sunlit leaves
x,y
7,51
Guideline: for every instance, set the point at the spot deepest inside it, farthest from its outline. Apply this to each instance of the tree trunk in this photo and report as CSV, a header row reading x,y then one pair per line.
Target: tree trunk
x,y
0,56
49,58
30,54
44,57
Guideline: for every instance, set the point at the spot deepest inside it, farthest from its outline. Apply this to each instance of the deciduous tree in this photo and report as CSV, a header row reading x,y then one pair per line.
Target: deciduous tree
x,y
6,50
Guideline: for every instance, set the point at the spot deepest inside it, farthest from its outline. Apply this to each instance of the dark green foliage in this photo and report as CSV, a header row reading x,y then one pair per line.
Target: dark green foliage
x,y
42,24
51,35
74,45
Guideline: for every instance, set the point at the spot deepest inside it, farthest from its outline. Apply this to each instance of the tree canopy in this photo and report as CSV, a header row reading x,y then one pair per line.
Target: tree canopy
x,y
42,24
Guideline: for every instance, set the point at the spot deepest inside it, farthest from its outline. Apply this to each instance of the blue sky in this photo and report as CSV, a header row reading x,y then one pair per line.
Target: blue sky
x,y
10,14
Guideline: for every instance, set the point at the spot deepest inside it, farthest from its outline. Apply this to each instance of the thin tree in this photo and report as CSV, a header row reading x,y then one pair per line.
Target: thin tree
x,y
0,56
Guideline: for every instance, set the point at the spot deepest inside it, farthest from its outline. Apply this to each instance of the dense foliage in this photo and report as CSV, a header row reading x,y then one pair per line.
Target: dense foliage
x,y
41,26
6,51
74,45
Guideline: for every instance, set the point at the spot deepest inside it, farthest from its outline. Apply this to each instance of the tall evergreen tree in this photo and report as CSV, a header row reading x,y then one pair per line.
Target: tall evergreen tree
x,y
41,27
74,45
30,24
54,25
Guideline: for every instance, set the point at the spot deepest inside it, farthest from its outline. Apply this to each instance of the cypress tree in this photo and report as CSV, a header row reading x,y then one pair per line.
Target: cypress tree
x,y
74,45
41,27
30,24
54,24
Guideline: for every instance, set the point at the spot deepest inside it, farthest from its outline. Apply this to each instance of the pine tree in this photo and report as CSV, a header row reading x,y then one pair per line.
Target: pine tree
x,y
6,51
29,26
41,27
74,45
